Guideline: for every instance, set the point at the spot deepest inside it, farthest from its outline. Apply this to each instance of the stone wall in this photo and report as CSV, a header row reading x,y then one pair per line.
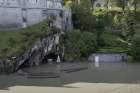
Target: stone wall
x,y
106,57
19,13
34,16
10,17
67,19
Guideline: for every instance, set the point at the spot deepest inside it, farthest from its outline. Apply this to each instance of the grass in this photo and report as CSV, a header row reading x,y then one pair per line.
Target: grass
x,y
112,44
112,50
110,39
18,40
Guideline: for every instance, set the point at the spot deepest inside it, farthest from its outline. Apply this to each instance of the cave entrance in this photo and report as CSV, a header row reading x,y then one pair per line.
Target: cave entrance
x,y
51,57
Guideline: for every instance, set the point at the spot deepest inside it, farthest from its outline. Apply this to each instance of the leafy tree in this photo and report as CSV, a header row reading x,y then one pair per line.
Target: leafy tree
x,y
135,49
82,16
136,2
99,26
79,45
121,3
127,29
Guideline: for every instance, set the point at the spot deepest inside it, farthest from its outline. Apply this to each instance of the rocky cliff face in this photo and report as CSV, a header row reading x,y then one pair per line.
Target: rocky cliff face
x,y
32,57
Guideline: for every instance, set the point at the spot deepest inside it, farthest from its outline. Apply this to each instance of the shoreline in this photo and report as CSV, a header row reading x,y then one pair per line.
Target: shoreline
x,y
77,88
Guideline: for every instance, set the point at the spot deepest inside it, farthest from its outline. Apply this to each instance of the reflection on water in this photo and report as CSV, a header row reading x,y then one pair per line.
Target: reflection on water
x,y
97,64
58,67
78,72
97,61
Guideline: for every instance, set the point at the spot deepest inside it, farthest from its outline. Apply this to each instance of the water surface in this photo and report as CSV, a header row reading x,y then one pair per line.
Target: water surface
x,y
103,73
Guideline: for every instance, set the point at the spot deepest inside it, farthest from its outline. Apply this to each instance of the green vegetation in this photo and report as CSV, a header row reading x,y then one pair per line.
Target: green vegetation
x,y
135,49
113,28
81,16
112,50
18,41
79,45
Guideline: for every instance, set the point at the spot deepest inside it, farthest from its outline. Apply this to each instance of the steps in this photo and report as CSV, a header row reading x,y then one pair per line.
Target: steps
x,y
74,69
43,75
